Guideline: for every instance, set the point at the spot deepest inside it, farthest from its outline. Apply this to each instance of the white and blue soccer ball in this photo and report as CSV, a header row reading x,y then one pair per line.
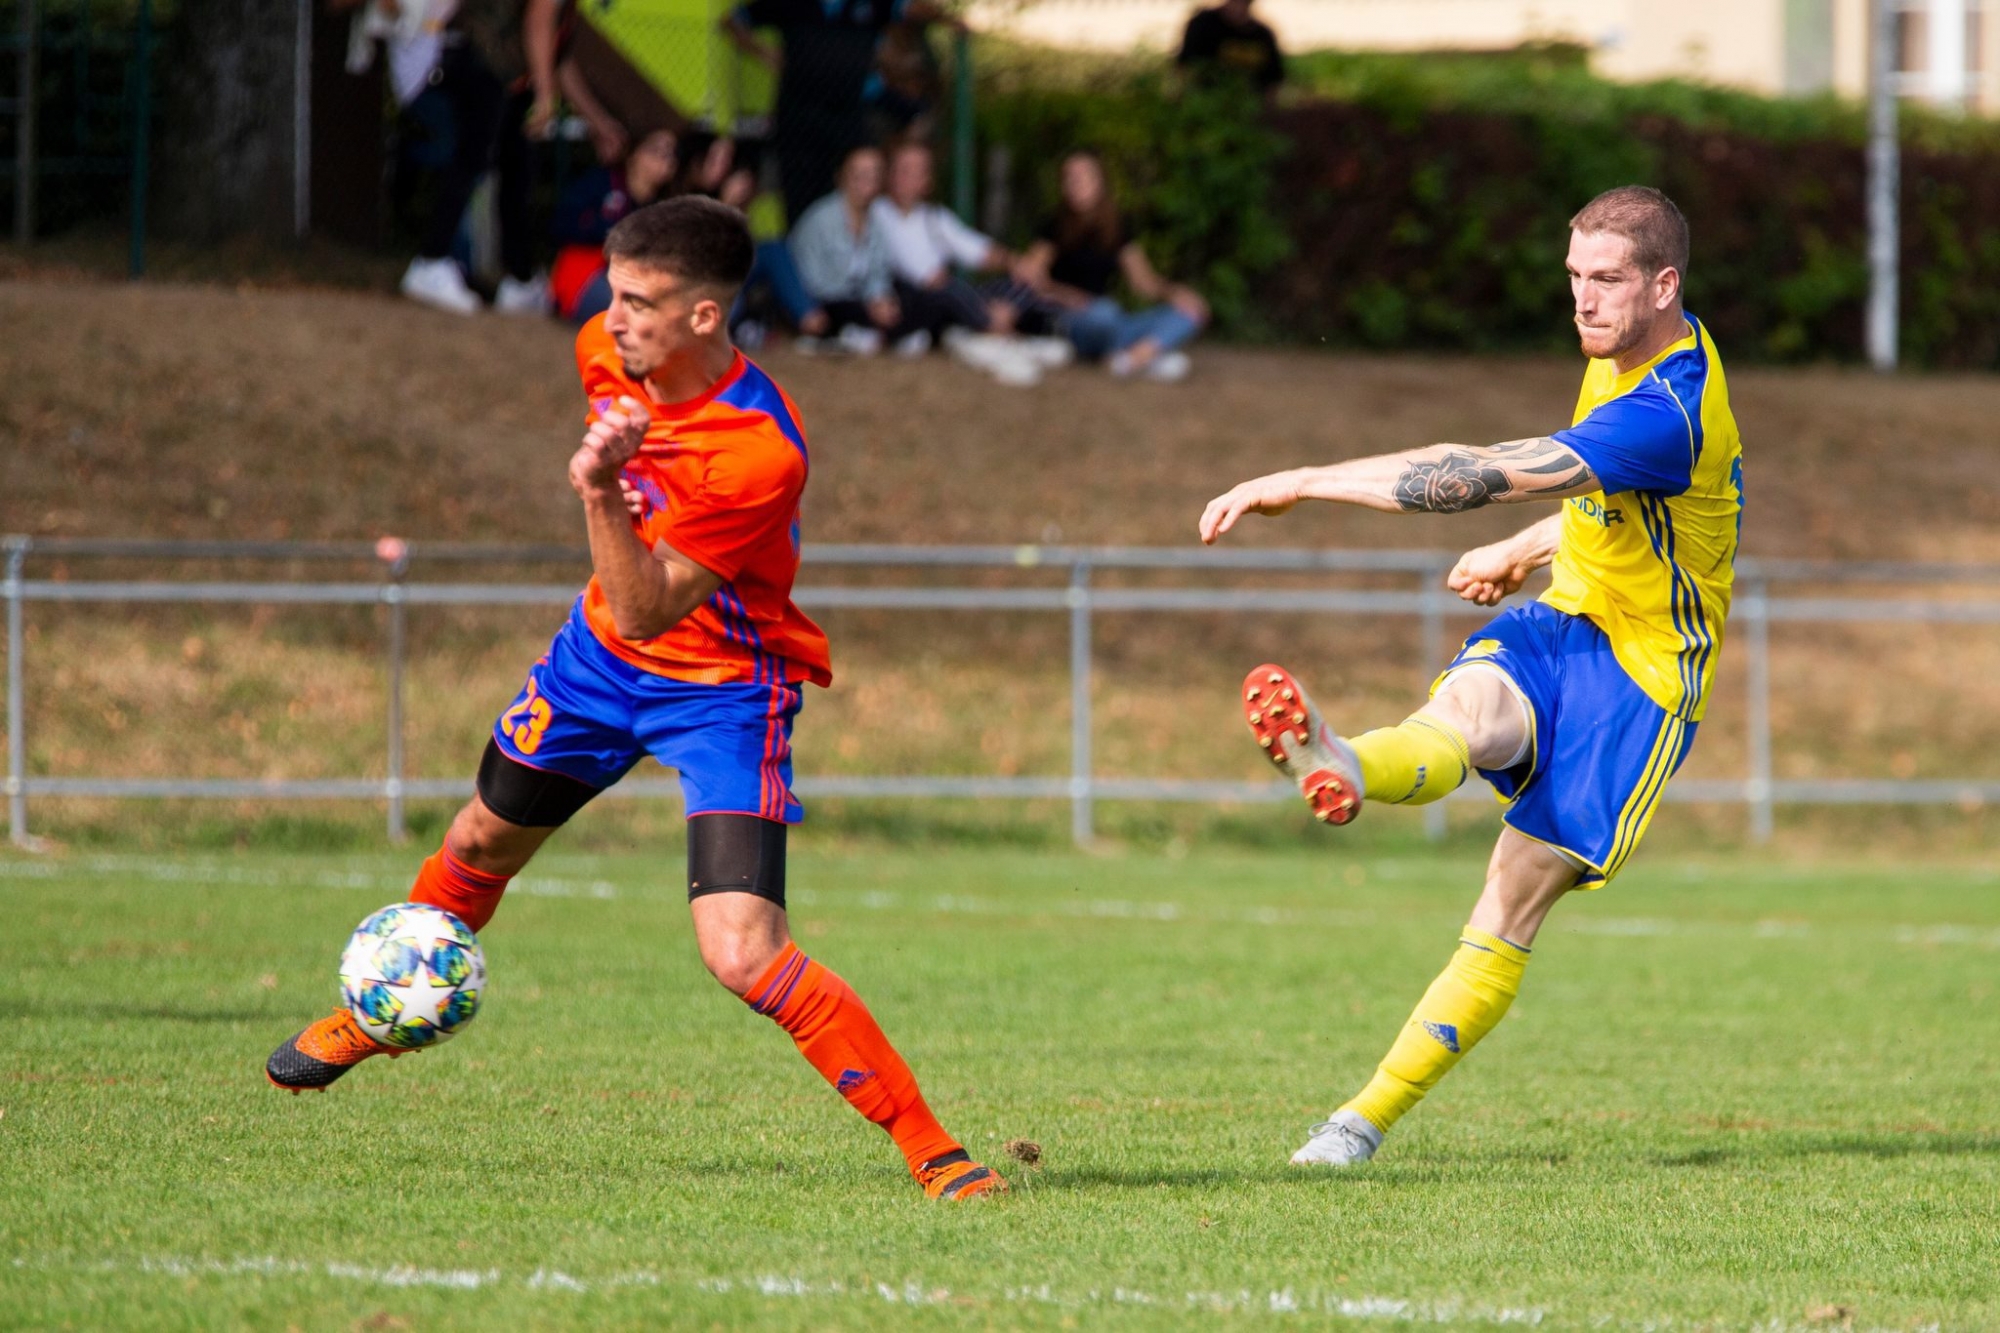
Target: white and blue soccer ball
x,y
412,975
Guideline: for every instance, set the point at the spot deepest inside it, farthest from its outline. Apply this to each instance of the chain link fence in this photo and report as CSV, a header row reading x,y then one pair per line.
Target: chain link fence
x,y
281,118
79,104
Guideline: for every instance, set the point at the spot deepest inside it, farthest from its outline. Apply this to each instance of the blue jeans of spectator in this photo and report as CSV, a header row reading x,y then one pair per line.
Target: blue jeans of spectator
x,y
774,265
1104,327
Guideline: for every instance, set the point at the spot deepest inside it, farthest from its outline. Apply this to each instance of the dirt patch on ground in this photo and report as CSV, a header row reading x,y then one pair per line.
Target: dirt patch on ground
x,y
209,412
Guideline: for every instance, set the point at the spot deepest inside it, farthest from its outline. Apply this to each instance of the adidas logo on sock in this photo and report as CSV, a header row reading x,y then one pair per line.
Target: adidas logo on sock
x,y
1443,1033
850,1079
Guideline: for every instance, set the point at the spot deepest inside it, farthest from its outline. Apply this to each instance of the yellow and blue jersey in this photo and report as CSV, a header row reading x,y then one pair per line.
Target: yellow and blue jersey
x,y
1651,556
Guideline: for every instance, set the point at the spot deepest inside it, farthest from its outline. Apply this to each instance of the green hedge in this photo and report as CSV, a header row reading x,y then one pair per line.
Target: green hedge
x,y
1423,201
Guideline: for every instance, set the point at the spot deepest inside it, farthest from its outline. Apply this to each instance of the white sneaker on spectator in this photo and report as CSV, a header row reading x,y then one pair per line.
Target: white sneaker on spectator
x,y
981,351
1015,367
913,345
515,297
1048,353
860,340
1120,365
1168,367
438,284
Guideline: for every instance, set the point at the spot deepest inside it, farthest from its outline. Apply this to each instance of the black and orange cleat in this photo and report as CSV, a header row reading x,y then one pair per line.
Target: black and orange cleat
x,y
956,1176
1295,738
315,1057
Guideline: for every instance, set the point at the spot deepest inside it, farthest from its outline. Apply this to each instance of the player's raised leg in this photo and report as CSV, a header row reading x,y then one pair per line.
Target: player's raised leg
x,y
736,892
1474,721
1465,1002
1478,718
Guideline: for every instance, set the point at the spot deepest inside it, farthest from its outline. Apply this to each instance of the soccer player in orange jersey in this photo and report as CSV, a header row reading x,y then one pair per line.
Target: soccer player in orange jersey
x,y
685,646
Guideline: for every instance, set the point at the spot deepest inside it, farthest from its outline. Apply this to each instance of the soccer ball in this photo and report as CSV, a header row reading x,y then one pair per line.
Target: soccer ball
x,y
411,975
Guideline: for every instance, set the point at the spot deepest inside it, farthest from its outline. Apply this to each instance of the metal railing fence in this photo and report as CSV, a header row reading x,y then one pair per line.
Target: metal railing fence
x,y
1079,597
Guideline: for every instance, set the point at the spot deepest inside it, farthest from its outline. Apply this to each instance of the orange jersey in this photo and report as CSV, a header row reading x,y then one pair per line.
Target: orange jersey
x,y
721,476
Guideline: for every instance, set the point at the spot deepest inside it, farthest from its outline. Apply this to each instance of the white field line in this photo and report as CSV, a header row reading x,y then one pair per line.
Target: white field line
x,y
771,1286
1930,935
1284,1301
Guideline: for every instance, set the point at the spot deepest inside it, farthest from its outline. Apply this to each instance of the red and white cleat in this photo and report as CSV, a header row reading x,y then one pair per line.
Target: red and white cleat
x,y
1295,738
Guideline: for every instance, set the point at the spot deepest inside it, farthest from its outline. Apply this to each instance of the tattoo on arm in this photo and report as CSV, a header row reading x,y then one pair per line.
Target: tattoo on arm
x,y
1470,478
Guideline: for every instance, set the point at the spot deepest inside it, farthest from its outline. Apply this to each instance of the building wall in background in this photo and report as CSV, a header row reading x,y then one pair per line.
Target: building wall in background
x,y
1766,46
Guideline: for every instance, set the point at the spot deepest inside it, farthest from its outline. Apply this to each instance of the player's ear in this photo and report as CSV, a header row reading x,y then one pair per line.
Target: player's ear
x,y
707,318
1666,288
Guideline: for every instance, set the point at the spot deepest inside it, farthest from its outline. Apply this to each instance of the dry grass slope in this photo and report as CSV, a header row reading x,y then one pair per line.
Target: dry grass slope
x,y
209,412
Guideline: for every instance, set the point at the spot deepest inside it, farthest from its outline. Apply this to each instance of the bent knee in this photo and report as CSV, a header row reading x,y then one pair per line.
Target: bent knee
x,y
735,965
1487,712
485,841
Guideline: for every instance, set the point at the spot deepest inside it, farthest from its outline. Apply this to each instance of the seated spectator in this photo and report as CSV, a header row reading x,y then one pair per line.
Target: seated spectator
x,y
590,207
715,167
926,241
844,263
1227,42
1075,259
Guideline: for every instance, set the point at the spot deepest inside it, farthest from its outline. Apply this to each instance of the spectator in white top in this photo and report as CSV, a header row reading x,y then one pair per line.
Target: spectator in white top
x,y
844,264
927,243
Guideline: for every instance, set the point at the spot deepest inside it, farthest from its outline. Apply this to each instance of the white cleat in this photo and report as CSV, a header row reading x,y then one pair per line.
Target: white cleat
x,y
1296,738
1343,1140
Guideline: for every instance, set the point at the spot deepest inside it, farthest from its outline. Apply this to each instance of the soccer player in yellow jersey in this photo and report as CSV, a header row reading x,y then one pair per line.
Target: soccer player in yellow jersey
x,y
1577,707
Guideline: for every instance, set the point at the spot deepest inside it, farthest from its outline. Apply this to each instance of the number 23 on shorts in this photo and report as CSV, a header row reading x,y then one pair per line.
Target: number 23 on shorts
x,y
525,722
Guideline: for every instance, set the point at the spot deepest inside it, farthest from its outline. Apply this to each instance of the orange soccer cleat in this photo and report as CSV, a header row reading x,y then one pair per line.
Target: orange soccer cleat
x,y
314,1058
1295,738
956,1176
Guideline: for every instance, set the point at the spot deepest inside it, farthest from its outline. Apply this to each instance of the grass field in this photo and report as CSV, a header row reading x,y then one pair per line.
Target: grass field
x,y
1732,1096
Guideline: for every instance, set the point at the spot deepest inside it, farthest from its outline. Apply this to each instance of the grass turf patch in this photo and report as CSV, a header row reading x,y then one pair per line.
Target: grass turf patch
x,y
1731,1095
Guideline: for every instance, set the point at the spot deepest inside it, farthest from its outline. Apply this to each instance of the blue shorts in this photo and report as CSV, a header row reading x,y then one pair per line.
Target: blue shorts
x,y
1601,750
590,715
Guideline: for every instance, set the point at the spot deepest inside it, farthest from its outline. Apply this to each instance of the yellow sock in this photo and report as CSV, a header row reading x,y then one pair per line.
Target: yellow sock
x,y
1468,998
1420,761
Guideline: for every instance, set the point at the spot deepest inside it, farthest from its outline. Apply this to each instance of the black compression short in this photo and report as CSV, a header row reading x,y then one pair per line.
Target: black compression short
x,y
736,854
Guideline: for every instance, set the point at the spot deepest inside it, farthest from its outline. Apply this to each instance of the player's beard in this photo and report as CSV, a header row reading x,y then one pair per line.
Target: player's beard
x,y
1611,341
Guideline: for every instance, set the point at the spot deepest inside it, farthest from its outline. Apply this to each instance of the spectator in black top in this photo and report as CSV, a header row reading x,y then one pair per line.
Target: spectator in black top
x,y
1071,267
1226,41
824,69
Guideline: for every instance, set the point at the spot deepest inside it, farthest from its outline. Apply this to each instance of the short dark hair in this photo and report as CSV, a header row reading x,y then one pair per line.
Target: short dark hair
x,y
696,239
1646,218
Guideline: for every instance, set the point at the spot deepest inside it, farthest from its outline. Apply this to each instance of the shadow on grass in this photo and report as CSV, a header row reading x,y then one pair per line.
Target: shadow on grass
x,y
105,1012
1909,1143
1191,1177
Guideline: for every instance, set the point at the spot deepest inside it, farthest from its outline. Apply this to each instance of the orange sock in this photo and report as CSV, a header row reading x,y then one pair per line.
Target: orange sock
x,y
470,895
839,1037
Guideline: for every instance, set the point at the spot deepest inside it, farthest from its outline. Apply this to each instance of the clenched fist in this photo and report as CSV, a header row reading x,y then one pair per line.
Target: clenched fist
x,y
612,441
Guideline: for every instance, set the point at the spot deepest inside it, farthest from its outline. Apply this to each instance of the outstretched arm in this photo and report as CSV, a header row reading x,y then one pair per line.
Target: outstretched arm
x,y
649,591
1487,574
1440,479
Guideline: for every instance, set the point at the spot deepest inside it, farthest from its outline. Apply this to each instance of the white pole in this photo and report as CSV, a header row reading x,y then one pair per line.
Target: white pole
x,y
1883,172
1944,54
